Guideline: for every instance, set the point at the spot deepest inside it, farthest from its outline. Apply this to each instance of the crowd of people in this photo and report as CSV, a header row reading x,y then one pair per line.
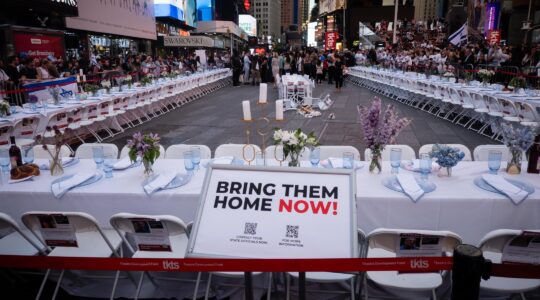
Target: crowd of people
x,y
320,66
17,70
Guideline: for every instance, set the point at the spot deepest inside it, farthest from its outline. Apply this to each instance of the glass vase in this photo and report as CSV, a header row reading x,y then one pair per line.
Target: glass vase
x,y
55,166
514,163
445,172
148,170
376,162
295,162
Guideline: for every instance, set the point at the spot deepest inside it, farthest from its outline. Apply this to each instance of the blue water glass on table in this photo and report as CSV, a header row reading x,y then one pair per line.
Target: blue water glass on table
x,y
97,153
494,161
28,155
395,159
108,163
425,166
188,161
13,109
196,156
348,160
259,158
315,157
4,165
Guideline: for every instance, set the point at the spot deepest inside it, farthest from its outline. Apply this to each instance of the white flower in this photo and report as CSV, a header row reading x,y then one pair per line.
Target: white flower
x,y
106,84
286,137
293,141
128,78
303,136
278,135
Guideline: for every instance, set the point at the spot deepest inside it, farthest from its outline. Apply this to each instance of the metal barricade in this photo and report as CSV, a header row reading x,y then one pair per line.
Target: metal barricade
x,y
532,76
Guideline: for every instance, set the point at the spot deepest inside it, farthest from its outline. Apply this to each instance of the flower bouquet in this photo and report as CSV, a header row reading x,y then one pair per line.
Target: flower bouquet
x,y
128,80
518,140
447,157
55,93
59,139
485,75
106,84
91,88
379,133
146,147
293,143
146,80
4,108
517,83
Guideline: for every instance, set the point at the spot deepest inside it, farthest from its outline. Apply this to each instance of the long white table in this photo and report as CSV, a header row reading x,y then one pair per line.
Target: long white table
x,y
44,114
457,204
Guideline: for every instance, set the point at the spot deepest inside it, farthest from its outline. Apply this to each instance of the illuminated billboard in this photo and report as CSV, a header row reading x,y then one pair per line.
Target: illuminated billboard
x,y
248,23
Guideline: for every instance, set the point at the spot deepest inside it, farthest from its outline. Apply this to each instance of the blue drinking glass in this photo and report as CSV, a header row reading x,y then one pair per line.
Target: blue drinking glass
x,y
494,161
425,166
315,157
108,163
259,158
98,156
28,155
188,161
395,159
4,165
196,156
348,160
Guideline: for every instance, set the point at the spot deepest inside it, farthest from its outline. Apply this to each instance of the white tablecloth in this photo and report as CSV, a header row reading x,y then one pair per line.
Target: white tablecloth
x,y
456,205
44,114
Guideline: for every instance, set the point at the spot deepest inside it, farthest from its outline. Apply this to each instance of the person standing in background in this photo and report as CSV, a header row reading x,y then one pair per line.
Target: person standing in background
x,y
338,73
331,68
247,67
236,65
275,69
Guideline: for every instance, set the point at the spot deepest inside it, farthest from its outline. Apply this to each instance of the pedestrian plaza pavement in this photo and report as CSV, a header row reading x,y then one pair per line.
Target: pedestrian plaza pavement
x,y
217,119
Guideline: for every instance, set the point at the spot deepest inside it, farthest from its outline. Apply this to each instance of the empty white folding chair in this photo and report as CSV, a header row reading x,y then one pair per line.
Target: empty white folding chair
x,y
58,120
527,114
85,151
5,134
83,238
387,242
327,277
41,153
429,147
17,241
508,110
177,151
125,152
492,246
24,130
407,153
236,150
481,153
170,231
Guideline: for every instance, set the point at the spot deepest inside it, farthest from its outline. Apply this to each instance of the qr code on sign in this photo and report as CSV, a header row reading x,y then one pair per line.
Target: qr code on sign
x,y
292,231
250,228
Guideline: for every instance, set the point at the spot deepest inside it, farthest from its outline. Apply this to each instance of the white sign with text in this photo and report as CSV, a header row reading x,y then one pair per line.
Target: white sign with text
x,y
274,212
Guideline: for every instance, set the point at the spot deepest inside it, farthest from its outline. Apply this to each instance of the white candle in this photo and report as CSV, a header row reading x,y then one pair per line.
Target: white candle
x,y
81,72
263,93
78,79
84,78
279,110
247,110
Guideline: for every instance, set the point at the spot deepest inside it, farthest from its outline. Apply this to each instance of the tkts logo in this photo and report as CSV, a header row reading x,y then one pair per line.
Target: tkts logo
x,y
419,264
170,265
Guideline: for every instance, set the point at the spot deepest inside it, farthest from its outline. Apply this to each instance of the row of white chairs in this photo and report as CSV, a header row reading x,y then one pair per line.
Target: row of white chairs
x,y
93,241
106,118
473,110
480,153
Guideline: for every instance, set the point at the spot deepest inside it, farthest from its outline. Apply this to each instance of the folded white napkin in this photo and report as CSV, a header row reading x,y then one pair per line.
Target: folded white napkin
x,y
336,162
502,185
159,182
122,164
224,160
65,161
410,186
60,188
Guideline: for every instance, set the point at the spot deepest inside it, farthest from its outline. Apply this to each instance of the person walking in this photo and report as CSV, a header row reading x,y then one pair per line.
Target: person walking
x,y
338,73
247,68
275,69
331,68
236,64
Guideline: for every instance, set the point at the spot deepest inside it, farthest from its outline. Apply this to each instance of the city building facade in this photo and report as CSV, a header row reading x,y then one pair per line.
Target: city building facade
x,y
268,15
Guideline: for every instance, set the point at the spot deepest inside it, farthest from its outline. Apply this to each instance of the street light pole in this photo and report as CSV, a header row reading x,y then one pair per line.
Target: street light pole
x,y
394,33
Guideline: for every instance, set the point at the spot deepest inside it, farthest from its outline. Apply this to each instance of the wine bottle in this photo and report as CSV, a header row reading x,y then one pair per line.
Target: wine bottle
x,y
15,154
534,157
